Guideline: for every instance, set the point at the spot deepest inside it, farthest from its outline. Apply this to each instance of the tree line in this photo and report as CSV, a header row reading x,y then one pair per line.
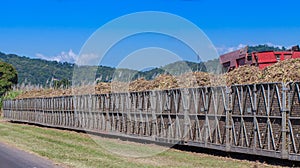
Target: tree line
x,y
56,74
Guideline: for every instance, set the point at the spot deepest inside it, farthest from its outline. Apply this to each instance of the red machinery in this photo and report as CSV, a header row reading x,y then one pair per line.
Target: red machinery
x,y
261,59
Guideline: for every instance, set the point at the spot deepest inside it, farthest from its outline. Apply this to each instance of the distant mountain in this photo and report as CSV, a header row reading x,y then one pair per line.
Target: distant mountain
x,y
175,68
42,72
264,47
37,71
213,66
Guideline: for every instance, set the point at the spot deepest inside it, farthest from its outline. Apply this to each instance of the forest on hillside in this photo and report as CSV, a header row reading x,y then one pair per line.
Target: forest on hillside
x,y
46,73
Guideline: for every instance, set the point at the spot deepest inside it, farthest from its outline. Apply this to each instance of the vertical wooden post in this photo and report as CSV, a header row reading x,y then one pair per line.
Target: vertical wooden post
x,y
255,129
284,110
228,110
186,105
75,103
206,122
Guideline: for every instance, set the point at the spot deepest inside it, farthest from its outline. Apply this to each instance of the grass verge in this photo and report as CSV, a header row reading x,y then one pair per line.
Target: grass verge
x,y
73,149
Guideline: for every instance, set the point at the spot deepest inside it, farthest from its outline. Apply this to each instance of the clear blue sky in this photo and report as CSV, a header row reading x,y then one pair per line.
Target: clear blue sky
x,y
50,27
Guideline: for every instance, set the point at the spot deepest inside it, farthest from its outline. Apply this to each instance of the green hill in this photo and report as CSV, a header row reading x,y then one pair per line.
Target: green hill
x,y
264,47
37,71
42,72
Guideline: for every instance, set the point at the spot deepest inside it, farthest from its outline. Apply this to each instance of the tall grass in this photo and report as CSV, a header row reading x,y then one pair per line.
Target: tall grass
x,y
8,96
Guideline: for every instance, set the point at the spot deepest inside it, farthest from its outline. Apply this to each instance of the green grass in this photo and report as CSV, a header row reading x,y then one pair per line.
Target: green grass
x,y
73,149
12,94
9,95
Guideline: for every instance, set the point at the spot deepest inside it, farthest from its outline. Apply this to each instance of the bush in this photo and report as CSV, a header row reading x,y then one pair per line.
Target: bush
x,y
8,77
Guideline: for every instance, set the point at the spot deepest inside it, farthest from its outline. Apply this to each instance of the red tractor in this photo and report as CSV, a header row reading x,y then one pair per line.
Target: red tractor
x,y
260,59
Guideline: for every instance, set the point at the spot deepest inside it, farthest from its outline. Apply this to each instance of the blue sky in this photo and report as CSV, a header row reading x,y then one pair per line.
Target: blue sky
x,y
51,28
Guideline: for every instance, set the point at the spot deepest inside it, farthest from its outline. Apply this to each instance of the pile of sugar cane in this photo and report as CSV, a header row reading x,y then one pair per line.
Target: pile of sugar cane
x,y
284,71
